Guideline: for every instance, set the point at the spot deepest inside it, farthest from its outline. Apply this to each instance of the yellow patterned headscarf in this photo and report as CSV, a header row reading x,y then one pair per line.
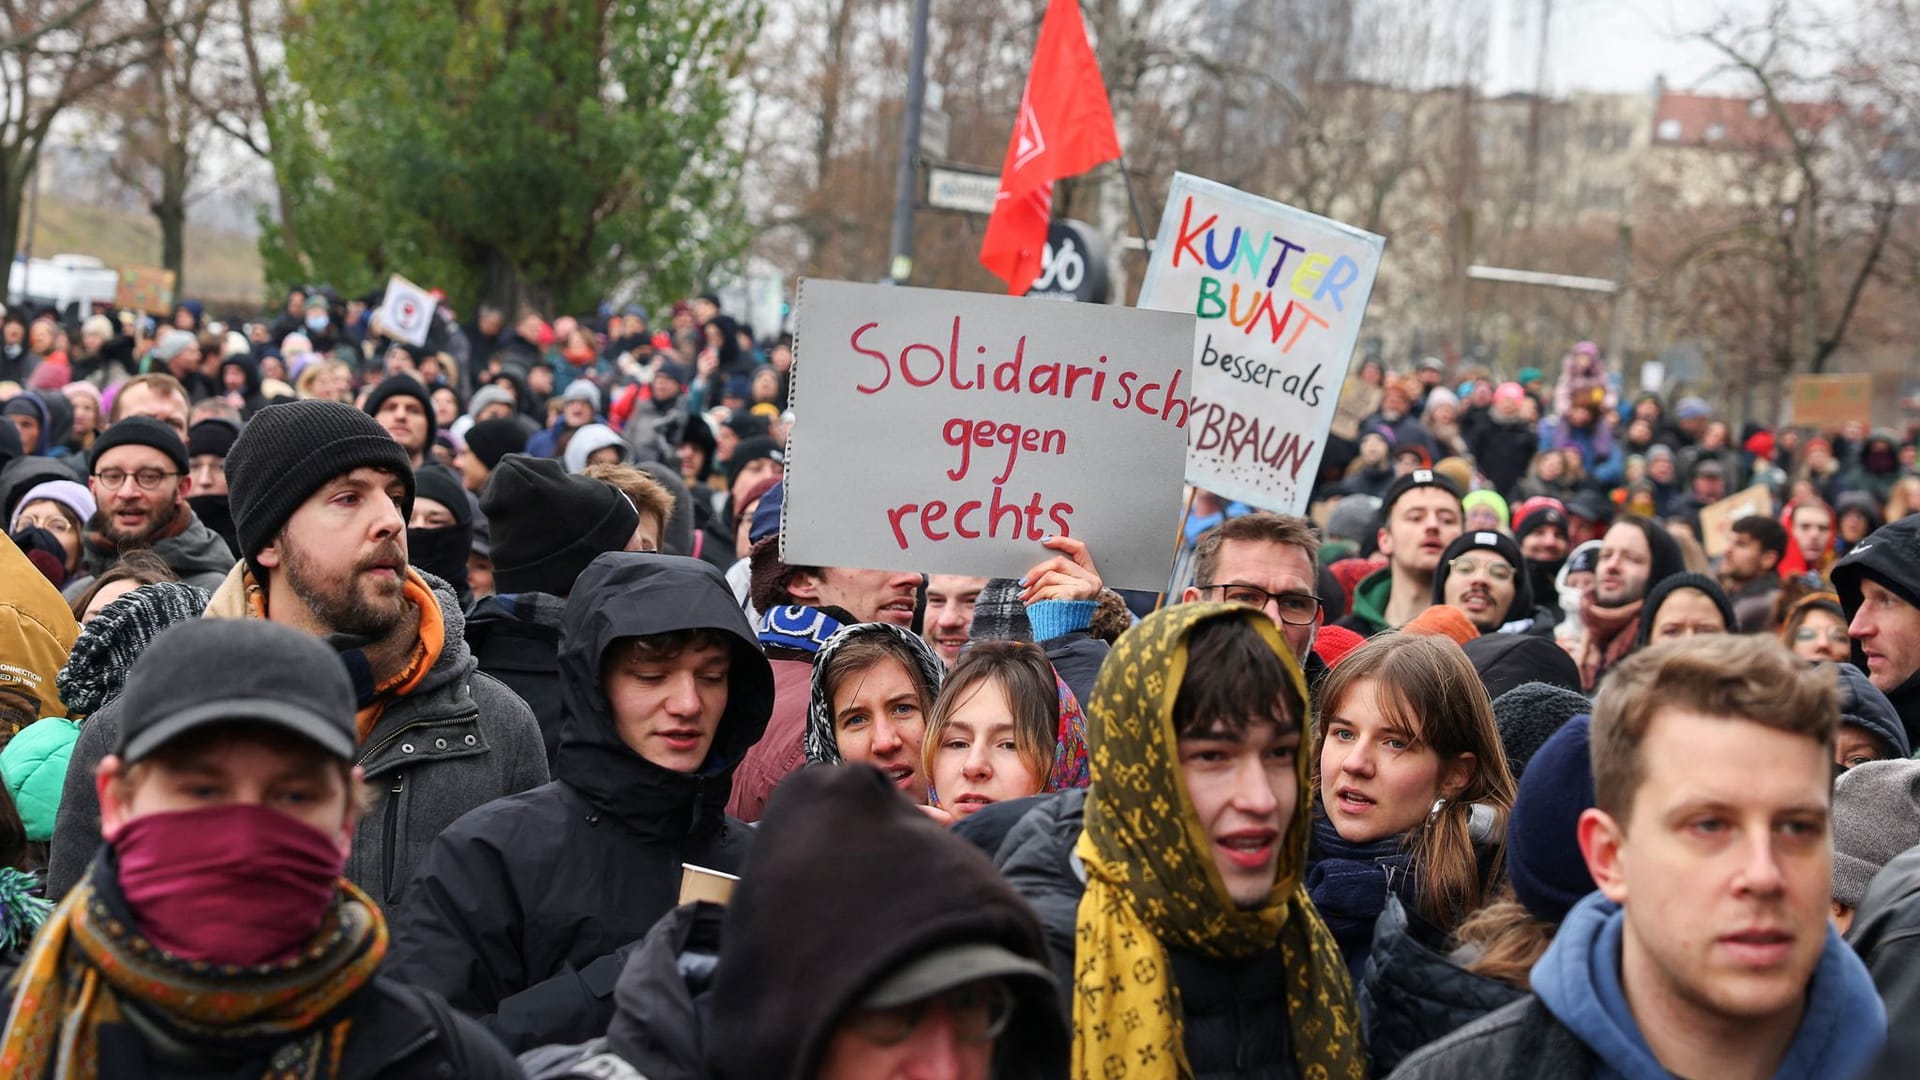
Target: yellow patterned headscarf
x,y
1151,880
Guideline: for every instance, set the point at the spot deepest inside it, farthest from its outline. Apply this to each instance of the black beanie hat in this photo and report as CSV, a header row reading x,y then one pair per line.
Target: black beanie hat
x,y
491,440
1529,714
1546,515
748,452
289,449
547,525
1418,478
404,384
143,431
214,435
1504,661
1486,539
1673,583
437,482
1662,550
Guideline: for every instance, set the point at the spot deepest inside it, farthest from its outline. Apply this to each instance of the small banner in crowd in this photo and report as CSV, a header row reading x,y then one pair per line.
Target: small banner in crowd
x,y
407,311
1716,519
1279,294
145,288
1831,402
950,432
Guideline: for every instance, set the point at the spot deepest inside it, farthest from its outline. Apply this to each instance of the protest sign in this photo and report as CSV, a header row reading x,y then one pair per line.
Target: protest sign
x,y
1716,519
1279,294
145,288
950,432
1358,400
1831,402
407,311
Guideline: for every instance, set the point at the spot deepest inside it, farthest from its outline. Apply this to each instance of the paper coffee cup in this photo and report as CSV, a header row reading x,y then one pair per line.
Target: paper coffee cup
x,y
700,883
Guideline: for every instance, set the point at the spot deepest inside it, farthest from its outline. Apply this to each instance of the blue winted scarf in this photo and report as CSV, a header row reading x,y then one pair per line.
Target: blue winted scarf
x,y
1349,883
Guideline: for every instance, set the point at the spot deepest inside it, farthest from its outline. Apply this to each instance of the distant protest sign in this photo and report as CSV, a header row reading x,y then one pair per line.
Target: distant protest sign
x,y
406,311
1831,402
1279,295
950,432
145,288
1716,519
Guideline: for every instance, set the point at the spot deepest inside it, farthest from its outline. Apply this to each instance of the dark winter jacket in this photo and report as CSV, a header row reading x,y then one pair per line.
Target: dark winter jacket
x,y
455,742
1865,707
521,913
1234,1010
1891,556
197,554
1414,994
516,639
1502,453
1886,934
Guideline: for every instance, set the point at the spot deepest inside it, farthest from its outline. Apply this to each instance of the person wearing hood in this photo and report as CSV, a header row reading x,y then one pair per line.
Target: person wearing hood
x,y
28,413
1173,884
1707,950
595,444
1878,468
579,407
440,532
1856,516
524,911
207,444
1879,588
1635,554
321,497
1503,447
1419,517
1681,606
142,482
1884,928
240,382
874,685
1482,575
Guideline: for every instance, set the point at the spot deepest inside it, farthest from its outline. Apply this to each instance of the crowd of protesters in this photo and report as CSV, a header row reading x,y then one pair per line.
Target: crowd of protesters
x,y
372,709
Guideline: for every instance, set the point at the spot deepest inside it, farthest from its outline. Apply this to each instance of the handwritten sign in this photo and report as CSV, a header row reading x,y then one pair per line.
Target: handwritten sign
x,y
950,432
1831,402
1716,519
1279,294
145,288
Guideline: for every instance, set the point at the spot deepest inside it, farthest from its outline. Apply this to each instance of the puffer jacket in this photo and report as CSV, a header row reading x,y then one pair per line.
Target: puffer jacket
x,y
459,740
34,766
1413,994
523,912
36,633
1234,1010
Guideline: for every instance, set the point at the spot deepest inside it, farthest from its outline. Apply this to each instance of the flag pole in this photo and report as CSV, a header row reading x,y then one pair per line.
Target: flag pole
x,y
1179,538
1139,220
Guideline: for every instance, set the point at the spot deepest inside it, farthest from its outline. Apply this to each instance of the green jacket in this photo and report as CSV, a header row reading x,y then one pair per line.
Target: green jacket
x,y
34,766
1370,598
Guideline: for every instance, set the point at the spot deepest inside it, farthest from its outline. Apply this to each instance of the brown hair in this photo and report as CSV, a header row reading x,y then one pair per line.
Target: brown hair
x,y
140,566
663,646
1024,674
1110,617
862,651
1427,685
1742,677
1260,528
1506,940
649,496
1233,678
158,382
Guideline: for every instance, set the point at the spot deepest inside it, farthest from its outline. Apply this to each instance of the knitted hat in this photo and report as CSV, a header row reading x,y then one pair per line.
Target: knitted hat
x,y
437,482
766,516
1333,642
1590,506
1544,863
1505,661
412,387
108,645
1531,712
1500,544
748,452
1484,497
269,674
672,370
291,448
214,435
1664,587
583,390
172,343
998,615
1876,815
1692,408
547,524
1540,519
1442,621
142,431
490,395
491,440
1416,479
1354,518
67,493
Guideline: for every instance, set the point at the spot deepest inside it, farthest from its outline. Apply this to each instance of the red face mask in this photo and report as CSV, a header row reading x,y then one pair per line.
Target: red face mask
x,y
237,884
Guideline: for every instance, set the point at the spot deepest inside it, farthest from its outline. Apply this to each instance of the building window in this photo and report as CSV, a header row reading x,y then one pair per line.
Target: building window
x,y
1669,131
1715,132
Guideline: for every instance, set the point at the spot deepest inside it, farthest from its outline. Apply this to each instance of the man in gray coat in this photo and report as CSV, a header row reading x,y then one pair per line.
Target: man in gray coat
x,y
321,496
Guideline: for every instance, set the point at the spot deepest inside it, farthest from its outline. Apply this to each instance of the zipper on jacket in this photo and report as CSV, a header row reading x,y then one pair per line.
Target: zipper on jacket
x,y
391,827
463,713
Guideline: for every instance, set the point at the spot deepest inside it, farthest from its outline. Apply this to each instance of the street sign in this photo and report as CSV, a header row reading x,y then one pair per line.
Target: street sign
x,y
1074,264
964,190
934,125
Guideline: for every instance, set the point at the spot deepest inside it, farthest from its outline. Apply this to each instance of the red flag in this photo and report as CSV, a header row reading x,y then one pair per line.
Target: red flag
x,y
1064,128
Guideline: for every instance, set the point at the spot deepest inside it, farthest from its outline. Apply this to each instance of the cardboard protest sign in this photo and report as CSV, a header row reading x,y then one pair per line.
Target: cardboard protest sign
x,y
950,432
1831,402
1716,519
407,311
145,288
1358,400
1279,294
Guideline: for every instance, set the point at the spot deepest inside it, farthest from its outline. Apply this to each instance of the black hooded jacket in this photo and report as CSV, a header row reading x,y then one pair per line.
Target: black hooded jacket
x,y
1891,556
522,911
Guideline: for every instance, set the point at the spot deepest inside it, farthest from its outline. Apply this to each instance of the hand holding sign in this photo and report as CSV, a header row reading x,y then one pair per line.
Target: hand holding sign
x,y
1069,576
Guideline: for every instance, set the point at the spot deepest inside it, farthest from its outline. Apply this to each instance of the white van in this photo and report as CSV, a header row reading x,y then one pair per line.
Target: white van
x,y
74,285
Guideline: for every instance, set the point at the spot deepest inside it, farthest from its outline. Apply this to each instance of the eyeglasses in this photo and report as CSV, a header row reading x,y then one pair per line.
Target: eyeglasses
x,y
1806,635
56,524
148,479
979,1012
1497,569
1298,608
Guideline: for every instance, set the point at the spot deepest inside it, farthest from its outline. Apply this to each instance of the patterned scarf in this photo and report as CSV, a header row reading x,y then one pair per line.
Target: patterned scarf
x,y
1151,881
90,966
1070,768
803,629
1610,636
821,746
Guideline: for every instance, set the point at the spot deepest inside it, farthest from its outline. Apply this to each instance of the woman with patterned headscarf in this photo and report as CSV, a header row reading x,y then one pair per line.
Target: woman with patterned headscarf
x,y
1170,889
873,688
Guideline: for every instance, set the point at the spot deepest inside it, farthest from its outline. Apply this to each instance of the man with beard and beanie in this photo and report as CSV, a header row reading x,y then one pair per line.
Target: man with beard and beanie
x,y
440,533
1182,937
1879,587
141,480
1706,950
544,527
207,444
322,496
1419,517
1482,576
1635,555
1542,536
405,410
524,911
213,934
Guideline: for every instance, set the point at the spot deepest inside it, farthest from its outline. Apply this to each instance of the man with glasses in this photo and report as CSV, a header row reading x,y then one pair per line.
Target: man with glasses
x,y
1265,561
140,483
1483,576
